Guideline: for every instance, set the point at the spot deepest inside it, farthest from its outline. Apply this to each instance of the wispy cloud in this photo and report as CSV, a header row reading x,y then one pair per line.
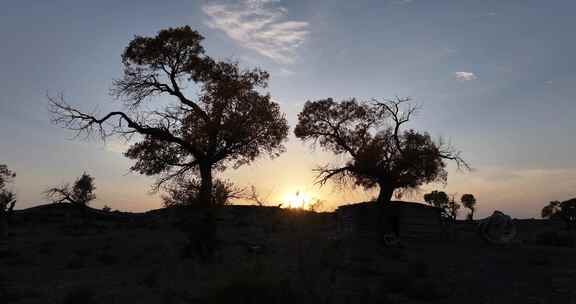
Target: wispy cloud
x,y
403,1
259,25
285,72
465,76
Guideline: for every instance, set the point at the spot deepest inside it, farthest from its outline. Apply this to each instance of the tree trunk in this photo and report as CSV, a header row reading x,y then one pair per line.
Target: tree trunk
x,y
385,195
205,194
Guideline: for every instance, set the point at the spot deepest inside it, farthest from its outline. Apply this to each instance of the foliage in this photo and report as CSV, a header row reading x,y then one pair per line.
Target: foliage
x,y
7,197
80,194
230,123
453,208
6,176
182,192
440,199
551,209
469,201
7,201
437,199
565,210
379,153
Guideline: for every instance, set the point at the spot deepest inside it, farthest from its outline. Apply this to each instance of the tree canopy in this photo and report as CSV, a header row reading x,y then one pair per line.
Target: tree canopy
x,y
7,197
440,199
565,210
469,201
6,176
379,153
229,123
79,194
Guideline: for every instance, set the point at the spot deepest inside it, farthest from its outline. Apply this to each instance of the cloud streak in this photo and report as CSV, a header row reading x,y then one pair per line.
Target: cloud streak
x,y
259,25
465,76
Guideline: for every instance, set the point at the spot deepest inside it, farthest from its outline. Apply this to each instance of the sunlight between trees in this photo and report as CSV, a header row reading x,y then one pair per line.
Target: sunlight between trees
x,y
231,122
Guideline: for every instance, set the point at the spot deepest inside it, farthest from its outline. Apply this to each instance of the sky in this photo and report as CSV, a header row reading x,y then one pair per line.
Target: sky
x,y
496,78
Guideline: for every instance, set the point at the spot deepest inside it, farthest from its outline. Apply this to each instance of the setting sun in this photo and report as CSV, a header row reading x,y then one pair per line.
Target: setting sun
x,y
298,199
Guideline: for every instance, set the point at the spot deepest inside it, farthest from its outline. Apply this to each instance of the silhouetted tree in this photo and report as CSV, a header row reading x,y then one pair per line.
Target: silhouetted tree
x,y
453,208
565,210
230,123
469,201
437,199
568,212
185,192
7,197
550,210
80,194
440,199
7,201
255,197
6,176
379,152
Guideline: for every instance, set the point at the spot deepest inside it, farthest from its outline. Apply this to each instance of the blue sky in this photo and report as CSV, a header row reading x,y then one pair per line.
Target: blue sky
x,y
497,78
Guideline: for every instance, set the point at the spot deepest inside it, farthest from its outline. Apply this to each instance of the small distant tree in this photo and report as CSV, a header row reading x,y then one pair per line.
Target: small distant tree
x,y
565,210
438,199
550,210
568,212
469,201
79,194
7,197
453,208
378,152
186,192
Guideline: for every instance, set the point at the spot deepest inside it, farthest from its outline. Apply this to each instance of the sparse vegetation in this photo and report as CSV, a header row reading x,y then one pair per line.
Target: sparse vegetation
x,y
186,192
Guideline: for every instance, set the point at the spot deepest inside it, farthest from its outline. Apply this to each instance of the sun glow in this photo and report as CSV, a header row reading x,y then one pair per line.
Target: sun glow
x,y
298,200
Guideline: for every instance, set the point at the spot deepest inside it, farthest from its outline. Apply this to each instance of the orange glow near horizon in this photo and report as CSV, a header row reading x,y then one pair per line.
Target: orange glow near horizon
x,y
297,200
